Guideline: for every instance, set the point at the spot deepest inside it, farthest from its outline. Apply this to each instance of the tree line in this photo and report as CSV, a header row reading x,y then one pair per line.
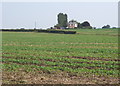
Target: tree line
x,y
63,22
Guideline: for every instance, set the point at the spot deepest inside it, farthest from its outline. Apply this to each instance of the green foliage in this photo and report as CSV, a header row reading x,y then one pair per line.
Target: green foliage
x,y
84,25
57,31
62,20
79,25
19,30
107,26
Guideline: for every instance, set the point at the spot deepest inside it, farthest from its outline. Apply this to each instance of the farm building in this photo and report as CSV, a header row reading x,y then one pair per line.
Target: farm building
x,y
72,24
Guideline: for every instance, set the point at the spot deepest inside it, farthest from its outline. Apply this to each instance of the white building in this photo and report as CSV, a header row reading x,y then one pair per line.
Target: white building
x,y
72,24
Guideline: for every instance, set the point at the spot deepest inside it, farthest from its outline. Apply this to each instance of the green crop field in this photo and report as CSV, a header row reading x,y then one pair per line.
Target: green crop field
x,y
87,53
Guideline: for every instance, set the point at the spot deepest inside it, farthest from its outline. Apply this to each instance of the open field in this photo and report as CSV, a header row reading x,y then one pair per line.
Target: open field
x,y
88,57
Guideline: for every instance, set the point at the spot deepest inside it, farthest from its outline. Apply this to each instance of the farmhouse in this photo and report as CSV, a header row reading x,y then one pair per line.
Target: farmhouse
x,y
72,24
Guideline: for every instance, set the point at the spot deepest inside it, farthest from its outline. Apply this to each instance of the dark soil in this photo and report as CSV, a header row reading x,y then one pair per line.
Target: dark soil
x,y
92,58
38,77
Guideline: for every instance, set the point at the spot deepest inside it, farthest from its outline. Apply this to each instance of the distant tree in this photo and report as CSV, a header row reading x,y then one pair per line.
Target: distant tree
x,y
86,23
107,26
34,28
94,27
51,27
114,27
62,20
22,28
79,25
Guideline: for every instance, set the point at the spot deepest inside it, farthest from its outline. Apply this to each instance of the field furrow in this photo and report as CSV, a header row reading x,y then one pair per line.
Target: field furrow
x,y
88,53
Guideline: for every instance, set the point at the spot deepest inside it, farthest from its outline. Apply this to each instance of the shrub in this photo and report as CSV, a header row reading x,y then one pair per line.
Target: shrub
x,y
58,31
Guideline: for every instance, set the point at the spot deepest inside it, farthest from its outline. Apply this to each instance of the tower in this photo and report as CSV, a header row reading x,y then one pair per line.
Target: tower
x,y
35,25
119,14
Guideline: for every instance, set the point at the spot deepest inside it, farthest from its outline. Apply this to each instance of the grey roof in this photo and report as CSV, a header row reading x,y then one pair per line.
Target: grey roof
x,y
72,22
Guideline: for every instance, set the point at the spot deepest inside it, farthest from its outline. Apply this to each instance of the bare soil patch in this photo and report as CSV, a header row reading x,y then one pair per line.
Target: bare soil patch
x,y
38,77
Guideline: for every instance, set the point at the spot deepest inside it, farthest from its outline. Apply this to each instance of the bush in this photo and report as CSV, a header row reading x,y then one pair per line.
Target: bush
x,y
18,30
69,32
45,31
58,31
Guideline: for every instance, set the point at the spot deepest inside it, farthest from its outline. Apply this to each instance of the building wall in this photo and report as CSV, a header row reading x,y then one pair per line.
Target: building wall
x,y
72,25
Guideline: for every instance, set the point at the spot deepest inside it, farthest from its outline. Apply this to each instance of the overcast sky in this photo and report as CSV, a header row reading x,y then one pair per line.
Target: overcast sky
x,y
24,14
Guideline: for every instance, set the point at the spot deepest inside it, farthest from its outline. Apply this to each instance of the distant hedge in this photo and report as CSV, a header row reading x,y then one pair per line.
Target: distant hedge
x,y
19,30
57,31
37,30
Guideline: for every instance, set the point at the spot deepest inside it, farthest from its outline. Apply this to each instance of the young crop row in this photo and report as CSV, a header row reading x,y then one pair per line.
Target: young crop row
x,y
77,71
103,53
58,64
55,63
64,59
59,44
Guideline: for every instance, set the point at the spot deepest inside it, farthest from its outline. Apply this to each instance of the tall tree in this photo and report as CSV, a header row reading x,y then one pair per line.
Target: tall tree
x,y
62,20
